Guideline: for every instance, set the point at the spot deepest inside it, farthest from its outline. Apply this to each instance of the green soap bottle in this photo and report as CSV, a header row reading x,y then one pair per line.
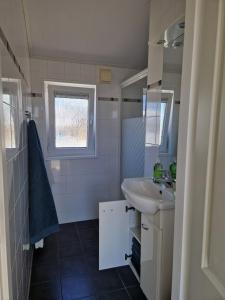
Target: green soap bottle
x,y
173,170
157,172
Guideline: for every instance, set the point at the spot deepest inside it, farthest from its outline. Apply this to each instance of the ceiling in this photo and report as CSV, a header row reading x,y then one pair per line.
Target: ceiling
x,y
106,32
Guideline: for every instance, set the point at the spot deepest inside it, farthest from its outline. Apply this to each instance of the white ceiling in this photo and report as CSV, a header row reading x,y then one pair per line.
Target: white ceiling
x,y
110,32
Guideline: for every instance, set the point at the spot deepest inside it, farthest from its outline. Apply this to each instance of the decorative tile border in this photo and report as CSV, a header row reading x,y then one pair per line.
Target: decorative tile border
x,y
107,99
131,100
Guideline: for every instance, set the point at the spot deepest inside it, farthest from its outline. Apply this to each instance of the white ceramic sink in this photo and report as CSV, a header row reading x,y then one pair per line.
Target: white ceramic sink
x,y
146,196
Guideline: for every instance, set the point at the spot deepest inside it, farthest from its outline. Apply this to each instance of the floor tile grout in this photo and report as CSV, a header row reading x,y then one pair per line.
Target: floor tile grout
x,y
87,269
125,288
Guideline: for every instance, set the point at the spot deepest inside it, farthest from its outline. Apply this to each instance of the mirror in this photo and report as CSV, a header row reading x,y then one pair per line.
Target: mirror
x,y
14,88
164,98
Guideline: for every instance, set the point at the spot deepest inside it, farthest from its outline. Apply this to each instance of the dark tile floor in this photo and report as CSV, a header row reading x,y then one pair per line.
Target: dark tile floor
x,y
67,269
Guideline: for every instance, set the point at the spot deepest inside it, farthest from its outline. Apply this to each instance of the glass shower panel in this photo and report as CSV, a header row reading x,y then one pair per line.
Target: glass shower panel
x,y
133,147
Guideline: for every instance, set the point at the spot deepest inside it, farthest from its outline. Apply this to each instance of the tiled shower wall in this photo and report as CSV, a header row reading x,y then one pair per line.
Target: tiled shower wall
x,y
16,184
16,174
78,185
17,179
133,147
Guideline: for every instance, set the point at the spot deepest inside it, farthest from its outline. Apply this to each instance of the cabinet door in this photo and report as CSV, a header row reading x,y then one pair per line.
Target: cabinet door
x,y
151,239
113,234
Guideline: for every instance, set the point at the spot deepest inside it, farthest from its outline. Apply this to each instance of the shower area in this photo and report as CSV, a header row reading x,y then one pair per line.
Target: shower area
x,y
133,108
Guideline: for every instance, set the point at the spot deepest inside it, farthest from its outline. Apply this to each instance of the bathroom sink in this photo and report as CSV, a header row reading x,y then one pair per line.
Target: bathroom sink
x,y
147,196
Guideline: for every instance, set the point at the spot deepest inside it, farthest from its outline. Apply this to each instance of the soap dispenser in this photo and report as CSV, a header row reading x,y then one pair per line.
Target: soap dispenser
x,y
173,170
157,172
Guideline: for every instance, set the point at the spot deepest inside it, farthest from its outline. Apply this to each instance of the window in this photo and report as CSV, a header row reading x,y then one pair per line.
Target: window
x,y
70,119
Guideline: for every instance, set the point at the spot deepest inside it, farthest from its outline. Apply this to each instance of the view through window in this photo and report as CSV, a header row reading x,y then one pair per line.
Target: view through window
x,y
71,121
155,122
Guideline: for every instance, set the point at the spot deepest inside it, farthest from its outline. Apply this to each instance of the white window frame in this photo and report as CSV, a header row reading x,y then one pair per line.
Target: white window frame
x,y
75,90
164,145
167,96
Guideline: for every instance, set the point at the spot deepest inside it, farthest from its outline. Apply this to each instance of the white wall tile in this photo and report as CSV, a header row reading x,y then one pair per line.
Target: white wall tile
x,y
131,110
38,85
59,188
16,176
108,110
11,200
151,157
108,128
72,72
55,70
79,184
16,171
39,67
17,194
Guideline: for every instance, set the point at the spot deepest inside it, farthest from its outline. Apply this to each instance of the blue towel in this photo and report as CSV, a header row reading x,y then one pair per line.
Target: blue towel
x,y
43,218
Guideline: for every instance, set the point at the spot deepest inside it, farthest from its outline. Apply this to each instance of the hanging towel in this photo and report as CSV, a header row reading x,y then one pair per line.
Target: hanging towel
x,y
43,218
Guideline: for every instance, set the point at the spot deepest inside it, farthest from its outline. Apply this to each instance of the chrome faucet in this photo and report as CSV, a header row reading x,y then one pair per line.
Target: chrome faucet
x,y
167,179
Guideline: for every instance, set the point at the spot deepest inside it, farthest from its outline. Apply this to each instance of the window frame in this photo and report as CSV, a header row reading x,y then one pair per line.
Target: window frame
x,y
73,90
166,96
163,146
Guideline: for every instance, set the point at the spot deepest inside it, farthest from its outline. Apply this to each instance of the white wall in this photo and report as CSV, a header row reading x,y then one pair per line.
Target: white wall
x,y
78,185
15,174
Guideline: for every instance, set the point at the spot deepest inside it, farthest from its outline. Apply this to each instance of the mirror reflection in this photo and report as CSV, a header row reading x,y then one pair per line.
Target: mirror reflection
x,y
11,90
12,102
164,101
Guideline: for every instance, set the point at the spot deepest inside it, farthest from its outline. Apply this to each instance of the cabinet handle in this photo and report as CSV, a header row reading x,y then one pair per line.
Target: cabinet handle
x,y
129,208
144,227
127,256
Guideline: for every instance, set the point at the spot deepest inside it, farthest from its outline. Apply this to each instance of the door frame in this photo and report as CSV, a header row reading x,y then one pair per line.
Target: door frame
x,y
186,136
186,141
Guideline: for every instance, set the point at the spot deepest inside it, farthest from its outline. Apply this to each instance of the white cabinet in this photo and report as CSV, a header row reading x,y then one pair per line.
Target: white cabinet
x,y
113,234
151,237
157,255
118,225
155,63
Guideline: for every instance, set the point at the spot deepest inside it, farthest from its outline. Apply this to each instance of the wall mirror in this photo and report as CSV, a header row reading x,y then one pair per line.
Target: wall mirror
x,y
164,97
12,101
